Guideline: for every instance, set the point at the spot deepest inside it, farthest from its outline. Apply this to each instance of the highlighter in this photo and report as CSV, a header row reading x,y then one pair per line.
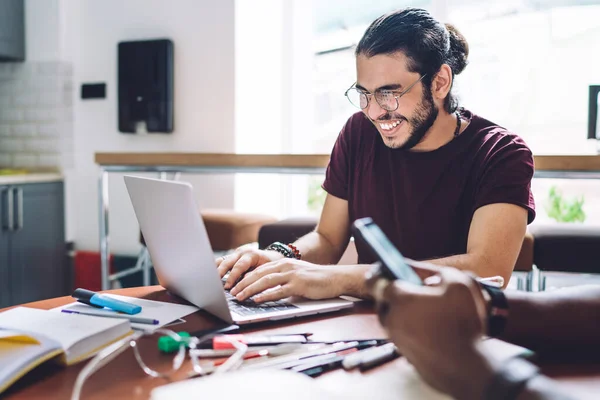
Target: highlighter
x,y
222,342
101,300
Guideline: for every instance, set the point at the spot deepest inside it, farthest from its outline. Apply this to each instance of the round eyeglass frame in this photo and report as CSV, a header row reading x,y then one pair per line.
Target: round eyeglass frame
x,y
381,104
111,352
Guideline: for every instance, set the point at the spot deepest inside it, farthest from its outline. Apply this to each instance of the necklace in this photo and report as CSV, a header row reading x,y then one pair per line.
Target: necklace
x,y
457,130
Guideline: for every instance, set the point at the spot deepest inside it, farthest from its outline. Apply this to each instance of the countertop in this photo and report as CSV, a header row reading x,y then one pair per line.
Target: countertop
x,y
542,162
37,177
214,160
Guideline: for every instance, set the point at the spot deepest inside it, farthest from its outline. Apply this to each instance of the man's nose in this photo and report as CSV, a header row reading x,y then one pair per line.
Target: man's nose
x,y
374,110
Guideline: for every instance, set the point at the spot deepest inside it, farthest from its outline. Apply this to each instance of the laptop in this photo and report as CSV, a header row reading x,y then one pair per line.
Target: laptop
x,y
184,262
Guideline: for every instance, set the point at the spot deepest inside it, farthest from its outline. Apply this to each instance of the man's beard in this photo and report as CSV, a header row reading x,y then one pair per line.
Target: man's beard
x,y
423,119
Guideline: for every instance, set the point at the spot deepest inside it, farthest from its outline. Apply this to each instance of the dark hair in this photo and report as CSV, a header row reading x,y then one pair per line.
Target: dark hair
x,y
426,42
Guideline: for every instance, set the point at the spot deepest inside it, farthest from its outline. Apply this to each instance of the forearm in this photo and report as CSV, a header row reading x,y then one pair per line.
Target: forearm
x,y
563,320
477,373
476,264
542,388
351,279
317,249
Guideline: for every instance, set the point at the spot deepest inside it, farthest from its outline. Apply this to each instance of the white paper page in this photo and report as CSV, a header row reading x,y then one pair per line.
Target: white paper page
x,y
64,328
162,311
260,384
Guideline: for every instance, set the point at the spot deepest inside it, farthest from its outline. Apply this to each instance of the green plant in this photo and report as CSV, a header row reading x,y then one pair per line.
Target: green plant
x,y
316,194
564,210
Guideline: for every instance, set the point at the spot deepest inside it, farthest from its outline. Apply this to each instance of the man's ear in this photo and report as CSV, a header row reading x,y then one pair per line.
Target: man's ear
x,y
442,83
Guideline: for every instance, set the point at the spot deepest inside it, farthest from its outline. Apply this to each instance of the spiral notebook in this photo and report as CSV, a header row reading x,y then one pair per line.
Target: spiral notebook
x,y
30,337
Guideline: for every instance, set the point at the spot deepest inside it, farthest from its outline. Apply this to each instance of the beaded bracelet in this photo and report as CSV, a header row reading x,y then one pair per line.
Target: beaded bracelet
x,y
288,250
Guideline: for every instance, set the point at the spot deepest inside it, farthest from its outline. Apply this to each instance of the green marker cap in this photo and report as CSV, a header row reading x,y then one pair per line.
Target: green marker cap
x,y
167,344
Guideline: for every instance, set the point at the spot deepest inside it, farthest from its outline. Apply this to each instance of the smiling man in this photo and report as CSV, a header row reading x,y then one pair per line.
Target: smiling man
x,y
444,184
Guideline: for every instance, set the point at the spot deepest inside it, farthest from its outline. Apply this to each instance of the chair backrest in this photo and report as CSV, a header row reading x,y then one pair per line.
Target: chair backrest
x,y
285,231
567,247
525,258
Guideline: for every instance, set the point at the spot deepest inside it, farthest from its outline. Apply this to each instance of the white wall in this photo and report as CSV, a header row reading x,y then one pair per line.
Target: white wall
x,y
203,36
42,30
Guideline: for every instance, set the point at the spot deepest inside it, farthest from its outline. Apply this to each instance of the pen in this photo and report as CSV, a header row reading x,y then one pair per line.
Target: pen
x,y
138,320
96,299
272,351
224,341
317,365
384,354
354,360
291,360
492,280
317,369
362,343
305,334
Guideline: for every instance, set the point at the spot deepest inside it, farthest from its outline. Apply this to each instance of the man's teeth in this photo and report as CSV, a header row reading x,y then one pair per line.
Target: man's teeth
x,y
387,127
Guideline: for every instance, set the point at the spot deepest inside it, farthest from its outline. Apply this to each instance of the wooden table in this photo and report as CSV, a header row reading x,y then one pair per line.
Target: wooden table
x,y
123,379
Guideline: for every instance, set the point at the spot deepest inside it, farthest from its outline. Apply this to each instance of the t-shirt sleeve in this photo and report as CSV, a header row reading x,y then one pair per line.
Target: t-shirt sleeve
x,y
506,177
337,173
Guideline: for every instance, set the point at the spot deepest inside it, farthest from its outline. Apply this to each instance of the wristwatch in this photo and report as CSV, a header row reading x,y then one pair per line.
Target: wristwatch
x,y
498,309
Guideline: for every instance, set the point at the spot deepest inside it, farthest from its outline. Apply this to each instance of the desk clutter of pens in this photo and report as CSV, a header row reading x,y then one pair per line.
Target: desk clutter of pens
x,y
293,351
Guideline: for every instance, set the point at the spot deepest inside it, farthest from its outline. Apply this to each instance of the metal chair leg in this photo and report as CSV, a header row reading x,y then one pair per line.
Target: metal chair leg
x,y
146,265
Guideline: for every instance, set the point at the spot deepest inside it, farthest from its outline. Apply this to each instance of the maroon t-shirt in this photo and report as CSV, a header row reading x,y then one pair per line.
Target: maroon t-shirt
x,y
424,201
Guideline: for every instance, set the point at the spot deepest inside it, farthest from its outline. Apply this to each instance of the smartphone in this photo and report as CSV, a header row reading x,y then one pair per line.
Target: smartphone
x,y
392,263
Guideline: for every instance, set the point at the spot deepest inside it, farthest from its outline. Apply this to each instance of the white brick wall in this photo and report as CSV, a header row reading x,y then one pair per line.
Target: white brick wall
x,y
36,115
22,160
5,159
23,130
4,130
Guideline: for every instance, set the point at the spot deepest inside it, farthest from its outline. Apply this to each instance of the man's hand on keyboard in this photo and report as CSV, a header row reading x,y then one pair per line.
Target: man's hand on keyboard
x,y
241,261
288,277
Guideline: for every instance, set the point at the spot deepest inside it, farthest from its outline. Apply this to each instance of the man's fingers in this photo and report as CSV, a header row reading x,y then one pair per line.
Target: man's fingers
x,y
255,275
262,284
275,294
242,265
226,263
371,276
378,286
397,296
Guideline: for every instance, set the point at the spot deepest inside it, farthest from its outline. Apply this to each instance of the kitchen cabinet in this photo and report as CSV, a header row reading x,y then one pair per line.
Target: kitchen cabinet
x,y
32,243
12,30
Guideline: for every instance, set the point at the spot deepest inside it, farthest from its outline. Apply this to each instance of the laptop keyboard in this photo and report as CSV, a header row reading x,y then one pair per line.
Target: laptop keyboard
x,y
249,307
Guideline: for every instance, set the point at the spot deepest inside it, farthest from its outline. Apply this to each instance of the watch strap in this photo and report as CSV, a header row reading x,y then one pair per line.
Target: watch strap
x,y
498,311
508,382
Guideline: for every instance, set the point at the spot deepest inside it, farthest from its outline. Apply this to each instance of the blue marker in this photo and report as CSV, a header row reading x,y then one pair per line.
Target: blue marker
x,y
101,300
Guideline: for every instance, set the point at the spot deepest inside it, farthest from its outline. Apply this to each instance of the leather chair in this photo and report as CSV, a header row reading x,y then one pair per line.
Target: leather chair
x,y
226,230
285,231
526,255
229,229
566,247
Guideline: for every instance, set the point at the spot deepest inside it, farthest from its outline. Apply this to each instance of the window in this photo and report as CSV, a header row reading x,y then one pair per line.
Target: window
x,y
536,60
531,63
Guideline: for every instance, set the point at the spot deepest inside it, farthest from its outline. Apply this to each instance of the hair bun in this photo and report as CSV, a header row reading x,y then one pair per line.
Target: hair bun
x,y
459,50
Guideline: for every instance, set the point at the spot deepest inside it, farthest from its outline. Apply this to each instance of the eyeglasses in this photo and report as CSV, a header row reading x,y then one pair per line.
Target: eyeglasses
x,y
198,369
387,99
